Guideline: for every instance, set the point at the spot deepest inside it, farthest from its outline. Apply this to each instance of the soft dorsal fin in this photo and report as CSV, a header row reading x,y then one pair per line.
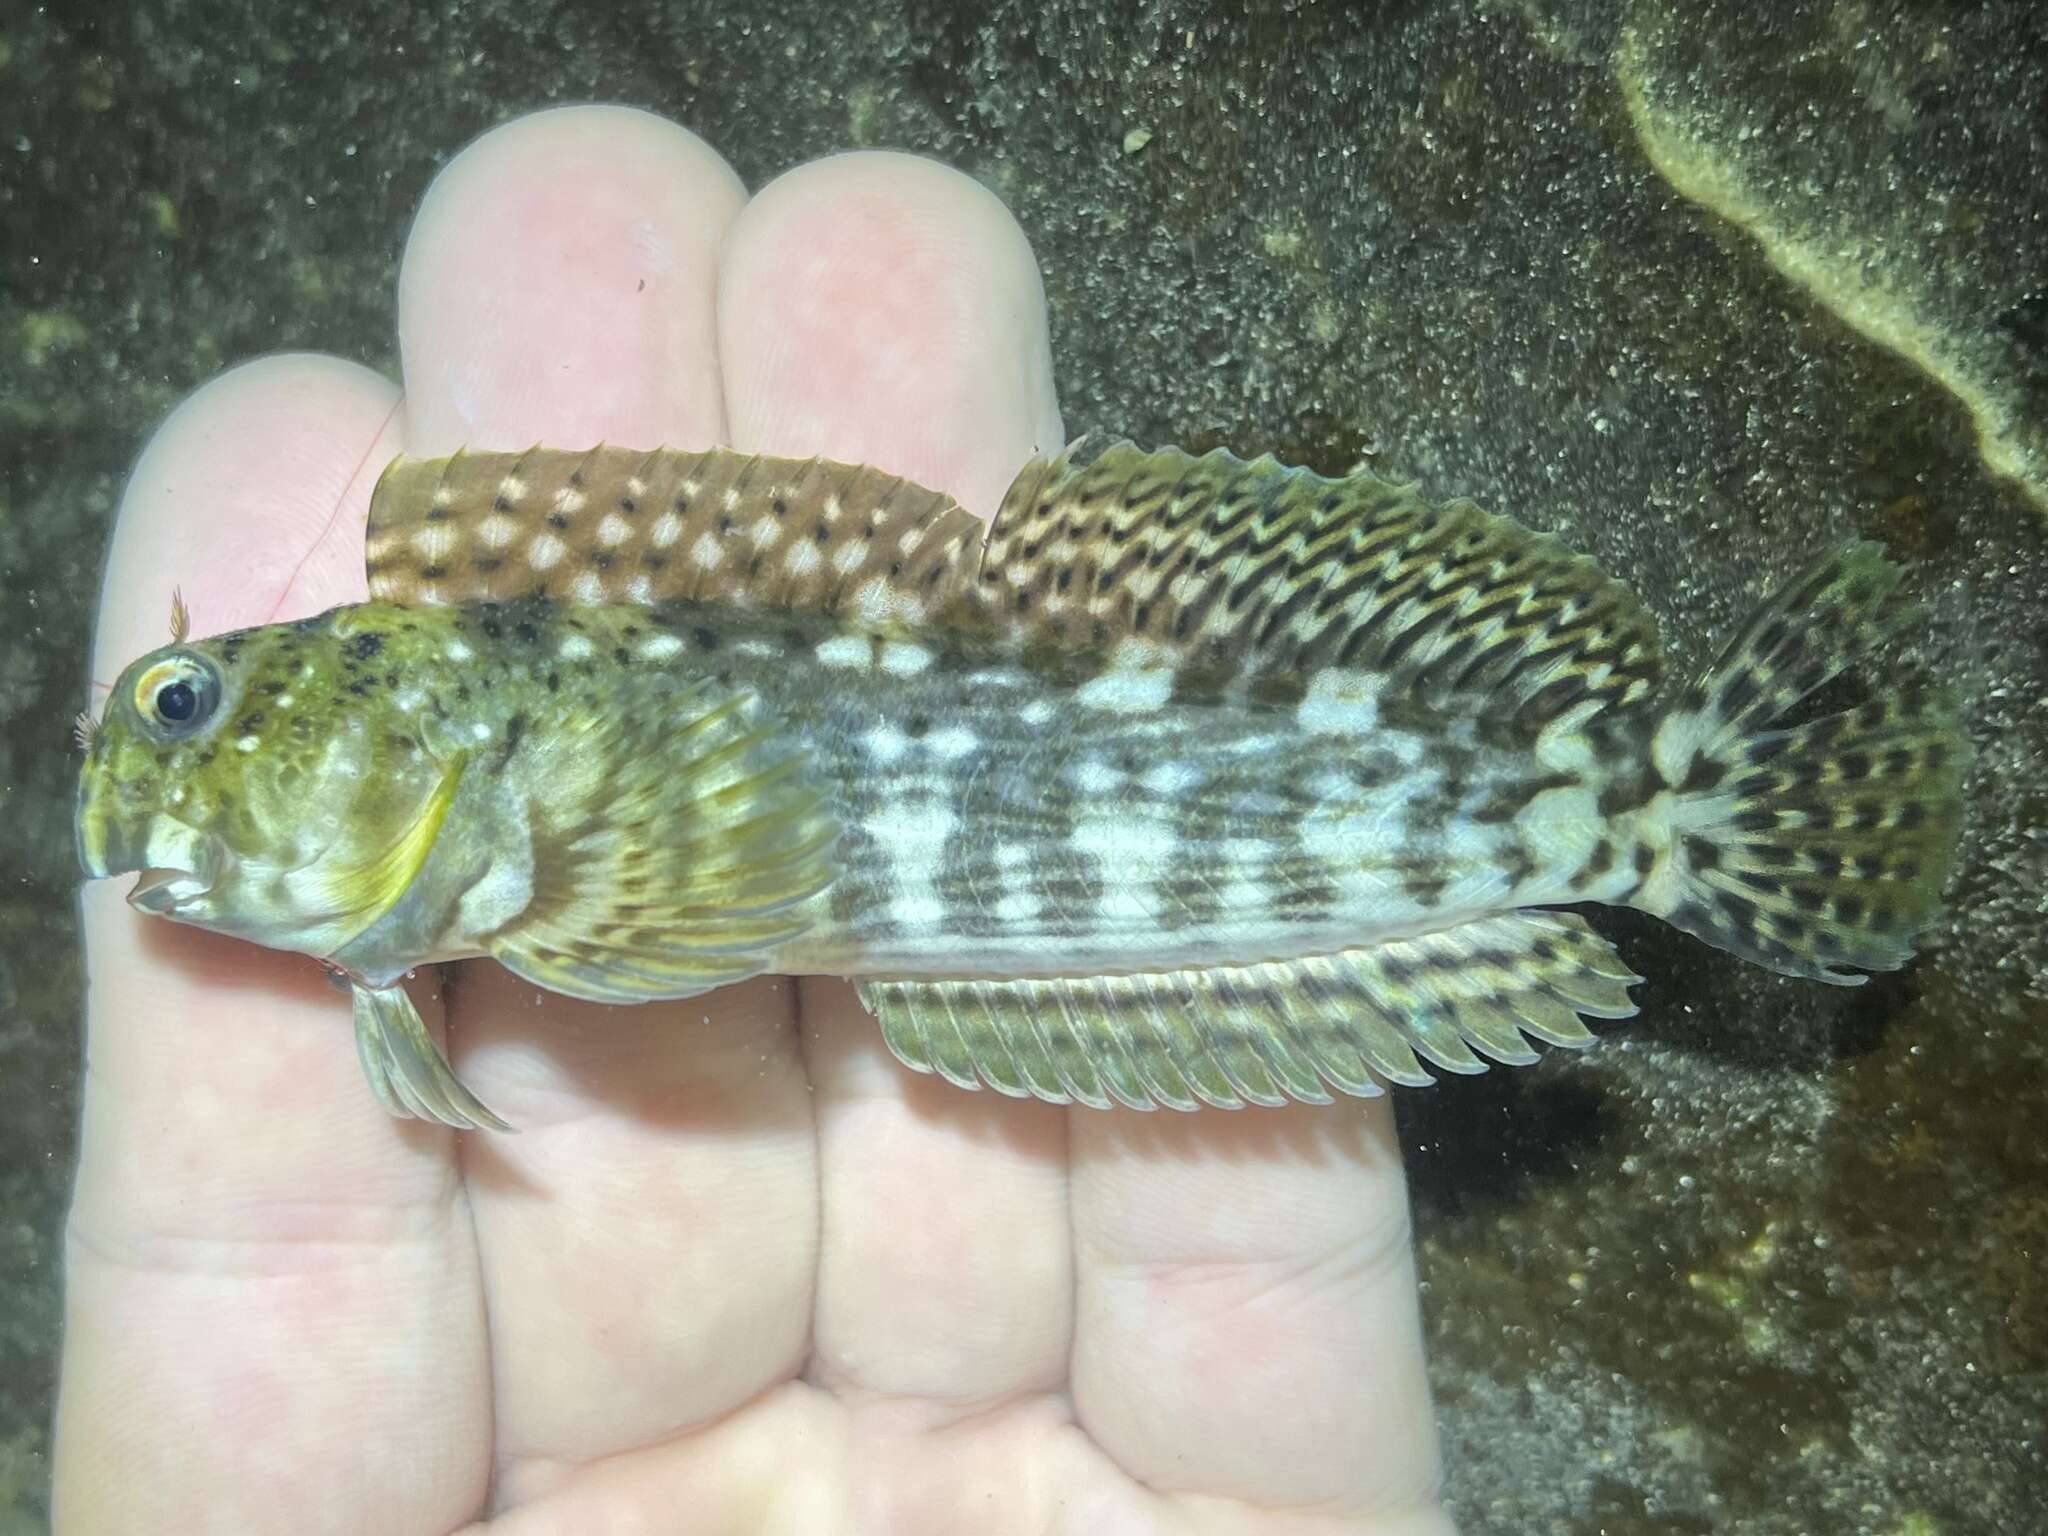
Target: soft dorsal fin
x,y
1216,561
623,525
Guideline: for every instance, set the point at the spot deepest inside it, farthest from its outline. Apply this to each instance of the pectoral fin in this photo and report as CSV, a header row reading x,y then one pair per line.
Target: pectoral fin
x,y
1268,1033
406,1069
673,850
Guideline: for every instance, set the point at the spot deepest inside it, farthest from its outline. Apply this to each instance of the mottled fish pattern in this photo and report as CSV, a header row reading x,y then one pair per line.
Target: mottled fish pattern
x,y
1190,781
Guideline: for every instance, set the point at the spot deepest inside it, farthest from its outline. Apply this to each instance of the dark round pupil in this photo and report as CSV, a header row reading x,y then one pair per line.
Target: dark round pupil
x,y
176,701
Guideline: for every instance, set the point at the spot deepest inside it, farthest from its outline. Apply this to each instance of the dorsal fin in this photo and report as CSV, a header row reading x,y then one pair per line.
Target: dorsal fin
x,y
624,525
1214,563
1236,565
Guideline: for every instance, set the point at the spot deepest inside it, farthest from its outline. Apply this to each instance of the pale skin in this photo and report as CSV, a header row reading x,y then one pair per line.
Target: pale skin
x,y
740,1271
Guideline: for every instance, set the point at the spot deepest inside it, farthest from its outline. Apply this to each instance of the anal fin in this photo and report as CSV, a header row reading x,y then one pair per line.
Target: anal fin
x,y
1266,1033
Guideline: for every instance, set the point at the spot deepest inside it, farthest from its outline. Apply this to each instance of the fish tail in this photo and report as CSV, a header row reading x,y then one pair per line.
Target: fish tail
x,y
1817,846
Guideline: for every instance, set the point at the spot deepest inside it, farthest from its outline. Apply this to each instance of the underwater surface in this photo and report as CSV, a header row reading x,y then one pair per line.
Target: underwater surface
x,y
1703,289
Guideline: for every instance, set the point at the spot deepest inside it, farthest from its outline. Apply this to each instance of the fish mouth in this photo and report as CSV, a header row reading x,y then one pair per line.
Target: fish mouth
x,y
163,891
177,864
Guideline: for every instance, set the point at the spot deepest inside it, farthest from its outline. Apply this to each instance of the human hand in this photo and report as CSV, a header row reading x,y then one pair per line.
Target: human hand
x,y
740,1271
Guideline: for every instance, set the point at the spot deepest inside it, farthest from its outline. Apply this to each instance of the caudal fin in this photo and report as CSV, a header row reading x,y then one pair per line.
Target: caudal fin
x,y
1823,845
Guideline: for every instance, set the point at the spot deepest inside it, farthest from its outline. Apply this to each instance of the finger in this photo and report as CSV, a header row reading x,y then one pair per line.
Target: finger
x,y
883,309
257,1259
557,287
1246,1322
647,1239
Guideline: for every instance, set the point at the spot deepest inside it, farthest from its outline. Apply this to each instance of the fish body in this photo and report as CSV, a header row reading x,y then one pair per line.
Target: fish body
x,y
1195,781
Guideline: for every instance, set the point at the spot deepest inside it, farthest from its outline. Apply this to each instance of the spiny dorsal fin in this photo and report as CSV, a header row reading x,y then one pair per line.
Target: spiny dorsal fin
x,y
1223,563
623,525
1266,1033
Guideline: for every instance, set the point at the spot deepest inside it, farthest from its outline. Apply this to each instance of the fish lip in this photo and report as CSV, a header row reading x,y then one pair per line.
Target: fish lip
x,y
177,863
162,891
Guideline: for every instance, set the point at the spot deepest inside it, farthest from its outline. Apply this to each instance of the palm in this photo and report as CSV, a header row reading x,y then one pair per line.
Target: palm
x,y
739,1271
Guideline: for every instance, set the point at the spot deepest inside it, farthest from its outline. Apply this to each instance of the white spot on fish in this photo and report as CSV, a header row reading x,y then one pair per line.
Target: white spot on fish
x,y
1015,908
1127,692
248,743
848,555
764,531
497,531
707,553
1037,712
667,529
613,530
997,677
434,541
913,834
1339,702
513,489
660,647
1092,777
640,589
803,558
588,587
456,651
902,659
569,501
1011,855
480,731
955,741
1169,779
575,648
282,701
886,745
846,651
545,552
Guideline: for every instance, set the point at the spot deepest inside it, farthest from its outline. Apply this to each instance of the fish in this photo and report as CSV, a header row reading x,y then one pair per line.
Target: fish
x,y
1187,781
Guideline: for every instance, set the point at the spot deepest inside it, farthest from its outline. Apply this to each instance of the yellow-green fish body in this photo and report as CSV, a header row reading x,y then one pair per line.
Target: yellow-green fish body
x,y
1193,781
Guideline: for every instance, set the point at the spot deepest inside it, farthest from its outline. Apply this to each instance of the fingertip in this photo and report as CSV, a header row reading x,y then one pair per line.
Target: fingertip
x,y
882,307
250,498
557,286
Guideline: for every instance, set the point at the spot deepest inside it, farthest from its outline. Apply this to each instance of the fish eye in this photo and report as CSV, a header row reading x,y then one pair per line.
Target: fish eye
x,y
177,695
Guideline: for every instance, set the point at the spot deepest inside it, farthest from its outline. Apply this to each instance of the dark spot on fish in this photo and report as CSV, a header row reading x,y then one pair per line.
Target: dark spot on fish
x,y
724,525
821,534
628,505
361,686
526,632
514,729
557,520
462,693
622,656
1704,774
483,565
704,638
272,686
363,647
779,507
554,682
652,561
917,725
500,504
601,560
493,630
433,572
250,721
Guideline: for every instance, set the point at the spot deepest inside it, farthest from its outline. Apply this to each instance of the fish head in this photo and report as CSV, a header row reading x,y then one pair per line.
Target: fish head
x,y
242,776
